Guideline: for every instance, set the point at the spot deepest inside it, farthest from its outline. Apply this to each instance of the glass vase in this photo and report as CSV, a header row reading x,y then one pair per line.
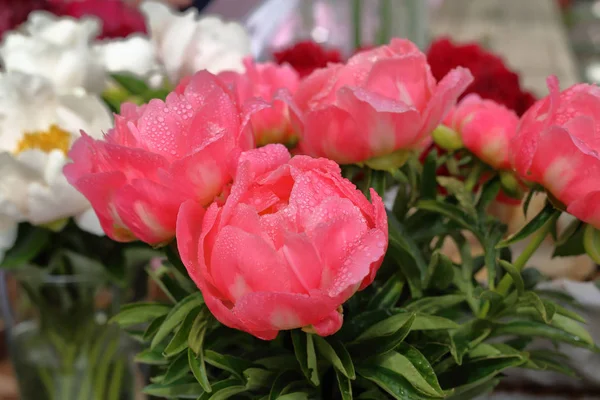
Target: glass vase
x,y
60,343
342,24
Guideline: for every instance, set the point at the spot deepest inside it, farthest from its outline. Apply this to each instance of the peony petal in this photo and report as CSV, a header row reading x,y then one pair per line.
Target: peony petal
x,y
587,208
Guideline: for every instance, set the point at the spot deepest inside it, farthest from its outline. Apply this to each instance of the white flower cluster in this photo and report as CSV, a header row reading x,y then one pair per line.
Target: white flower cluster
x,y
54,70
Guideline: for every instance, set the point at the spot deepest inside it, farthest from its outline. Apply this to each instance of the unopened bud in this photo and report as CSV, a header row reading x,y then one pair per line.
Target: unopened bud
x,y
447,138
511,185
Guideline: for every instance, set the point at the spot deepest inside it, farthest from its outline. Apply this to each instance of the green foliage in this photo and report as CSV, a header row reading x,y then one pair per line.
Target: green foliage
x,y
425,328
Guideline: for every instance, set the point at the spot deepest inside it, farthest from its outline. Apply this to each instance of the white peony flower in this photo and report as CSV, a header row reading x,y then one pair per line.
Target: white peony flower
x,y
37,128
186,43
58,48
135,54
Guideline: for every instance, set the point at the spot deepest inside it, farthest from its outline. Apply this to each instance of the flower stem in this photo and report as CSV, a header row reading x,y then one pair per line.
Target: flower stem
x,y
533,245
357,23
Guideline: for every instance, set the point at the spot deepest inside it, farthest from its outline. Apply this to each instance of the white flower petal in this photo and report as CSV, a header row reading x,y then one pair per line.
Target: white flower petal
x,y
89,222
16,177
187,43
8,234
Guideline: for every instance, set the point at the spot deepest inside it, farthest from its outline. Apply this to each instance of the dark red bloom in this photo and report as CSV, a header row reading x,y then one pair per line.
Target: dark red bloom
x,y
118,18
15,12
307,56
492,78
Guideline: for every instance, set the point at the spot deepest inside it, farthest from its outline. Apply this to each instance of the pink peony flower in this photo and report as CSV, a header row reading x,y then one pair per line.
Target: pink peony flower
x,y
376,108
557,146
292,242
486,128
264,81
158,156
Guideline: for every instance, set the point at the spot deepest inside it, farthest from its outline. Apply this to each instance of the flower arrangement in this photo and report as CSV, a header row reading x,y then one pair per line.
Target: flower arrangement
x,y
318,271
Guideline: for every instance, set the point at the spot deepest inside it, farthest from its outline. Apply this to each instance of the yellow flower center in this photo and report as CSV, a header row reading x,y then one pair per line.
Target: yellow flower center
x,y
52,139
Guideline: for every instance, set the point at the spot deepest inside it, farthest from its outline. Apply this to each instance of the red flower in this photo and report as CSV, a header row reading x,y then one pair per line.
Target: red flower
x,y
492,79
118,18
15,12
307,56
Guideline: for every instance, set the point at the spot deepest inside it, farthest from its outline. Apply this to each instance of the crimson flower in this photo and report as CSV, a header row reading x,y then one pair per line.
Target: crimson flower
x,y
118,18
307,56
491,77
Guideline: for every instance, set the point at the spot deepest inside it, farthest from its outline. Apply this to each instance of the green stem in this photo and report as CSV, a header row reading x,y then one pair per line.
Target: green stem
x,y
357,19
533,245
385,21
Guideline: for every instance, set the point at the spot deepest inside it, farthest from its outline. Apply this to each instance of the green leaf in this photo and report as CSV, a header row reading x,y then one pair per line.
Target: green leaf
x,y
493,350
381,343
224,389
344,385
389,294
465,338
515,275
457,189
131,83
179,342
532,277
139,313
448,210
439,273
151,357
31,240
591,243
177,369
558,309
414,367
281,384
546,360
534,328
478,391
170,287
152,328
335,352
476,372
572,245
234,365
257,378
537,303
294,396
488,194
304,349
385,327
531,227
176,316
184,388
198,368
198,330
572,327
425,322
428,182
434,304
399,239
391,382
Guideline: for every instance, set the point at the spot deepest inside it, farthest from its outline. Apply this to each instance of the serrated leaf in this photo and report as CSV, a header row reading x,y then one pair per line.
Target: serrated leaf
x,y
139,313
381,344
184,388
391,382
591,243
414,367
234,365
532,226
179,342
335,352
304,349
176,316
198,368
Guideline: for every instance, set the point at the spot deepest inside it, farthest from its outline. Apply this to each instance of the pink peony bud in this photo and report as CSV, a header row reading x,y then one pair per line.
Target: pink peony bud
x,y
264,81
557,146
379,106
292,242
158,156
486,129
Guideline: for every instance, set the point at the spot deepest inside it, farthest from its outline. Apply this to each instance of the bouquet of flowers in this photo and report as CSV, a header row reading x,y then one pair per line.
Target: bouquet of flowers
x,y
304,229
